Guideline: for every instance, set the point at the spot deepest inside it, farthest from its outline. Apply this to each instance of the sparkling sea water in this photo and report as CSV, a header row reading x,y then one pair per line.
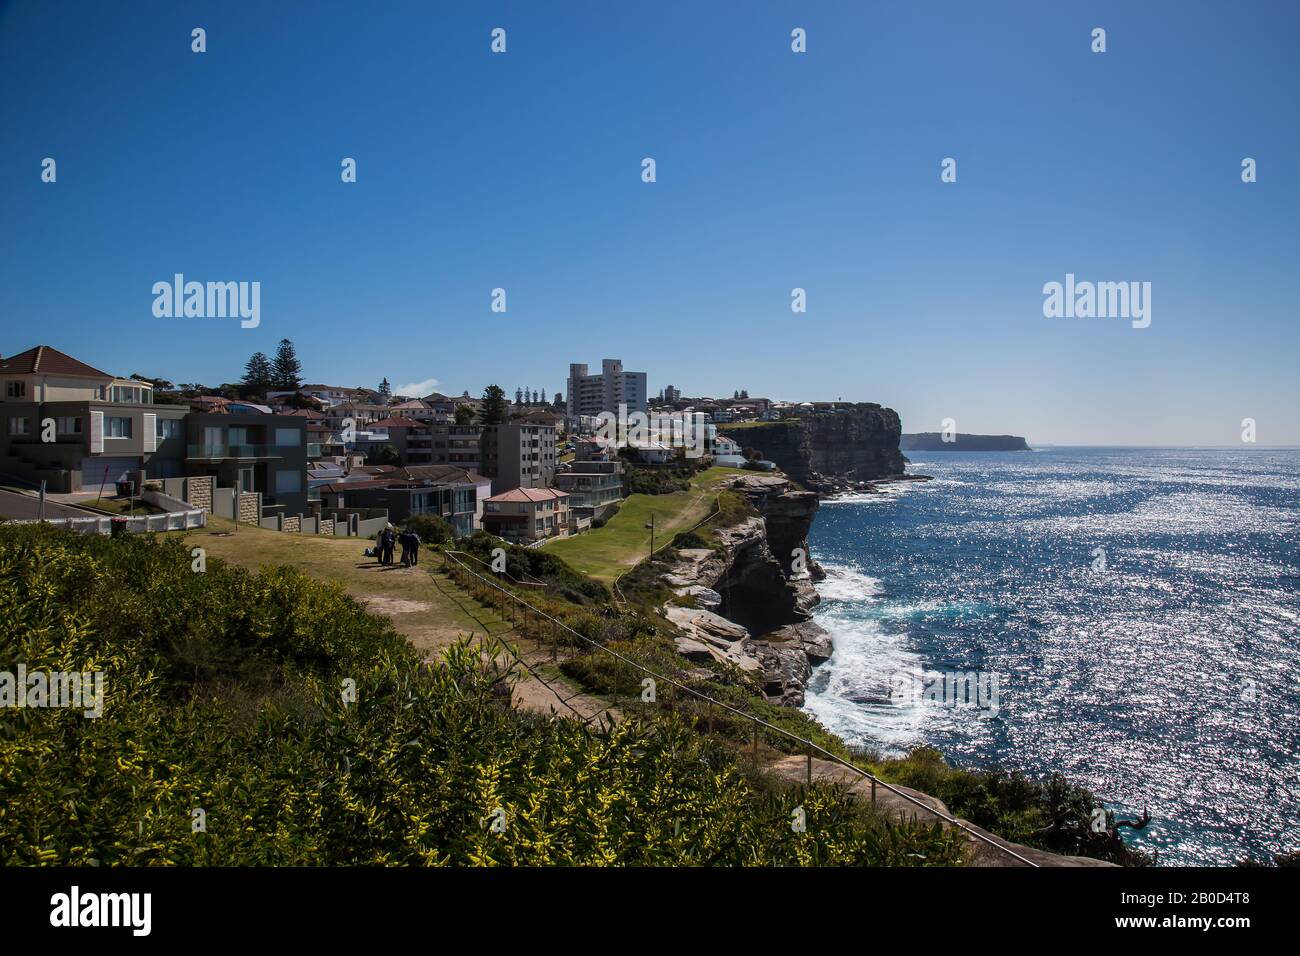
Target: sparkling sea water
x,y
1140,608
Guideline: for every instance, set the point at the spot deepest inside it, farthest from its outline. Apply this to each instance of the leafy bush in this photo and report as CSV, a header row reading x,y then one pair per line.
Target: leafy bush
x,y
431,529
609,512
223,694
1052,814
538,564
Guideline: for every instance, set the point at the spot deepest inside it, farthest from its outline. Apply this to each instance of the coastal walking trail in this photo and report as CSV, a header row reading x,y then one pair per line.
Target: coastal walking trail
x,y
424,606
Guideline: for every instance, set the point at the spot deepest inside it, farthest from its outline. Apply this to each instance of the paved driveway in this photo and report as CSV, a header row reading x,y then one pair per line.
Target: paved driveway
x,y
15,505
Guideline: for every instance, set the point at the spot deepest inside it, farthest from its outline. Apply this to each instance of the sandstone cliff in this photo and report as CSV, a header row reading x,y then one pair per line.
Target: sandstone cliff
x,y
828,451
754,594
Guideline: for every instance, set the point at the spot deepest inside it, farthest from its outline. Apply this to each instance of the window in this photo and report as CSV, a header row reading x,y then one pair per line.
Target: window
x,y
492,506
130,394
169,428
68,426
238,435
18,426
523,508
117,427
15,389
288,482
288,437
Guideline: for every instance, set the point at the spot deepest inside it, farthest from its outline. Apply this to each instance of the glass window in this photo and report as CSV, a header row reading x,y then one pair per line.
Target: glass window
x,y
68,426
169,427
15,389
18,426
287,482
117,427
288,437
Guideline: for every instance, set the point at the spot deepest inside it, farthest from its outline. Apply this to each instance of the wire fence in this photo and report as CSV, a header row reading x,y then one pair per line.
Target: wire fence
x,y
491,592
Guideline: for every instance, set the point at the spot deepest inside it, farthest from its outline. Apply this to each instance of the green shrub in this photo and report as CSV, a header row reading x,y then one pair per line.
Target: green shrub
x,y
431,529
223,693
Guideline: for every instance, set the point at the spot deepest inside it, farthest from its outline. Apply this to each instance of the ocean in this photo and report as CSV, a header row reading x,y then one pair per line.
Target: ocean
x,y
1131,616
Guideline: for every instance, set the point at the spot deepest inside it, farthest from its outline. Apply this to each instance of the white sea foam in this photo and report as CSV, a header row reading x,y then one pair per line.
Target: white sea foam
x,y
850,693
844,582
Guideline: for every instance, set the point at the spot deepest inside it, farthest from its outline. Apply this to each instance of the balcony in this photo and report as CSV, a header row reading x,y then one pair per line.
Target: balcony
x,y
223,452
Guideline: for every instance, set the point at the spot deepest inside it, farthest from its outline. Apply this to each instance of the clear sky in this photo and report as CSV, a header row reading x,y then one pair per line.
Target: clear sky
x,y
775,170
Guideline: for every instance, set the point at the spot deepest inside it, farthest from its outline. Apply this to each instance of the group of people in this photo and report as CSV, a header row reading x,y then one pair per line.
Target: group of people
x,y
390,537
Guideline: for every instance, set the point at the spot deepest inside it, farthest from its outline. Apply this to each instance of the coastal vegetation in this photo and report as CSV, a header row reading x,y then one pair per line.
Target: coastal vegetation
x,y
267,718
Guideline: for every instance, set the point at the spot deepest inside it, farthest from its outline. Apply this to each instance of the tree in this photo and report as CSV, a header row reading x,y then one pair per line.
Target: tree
x,y
495,407
519,396
559,400
383,455
257,372
286,370
157,383
464,415
430,528
385,390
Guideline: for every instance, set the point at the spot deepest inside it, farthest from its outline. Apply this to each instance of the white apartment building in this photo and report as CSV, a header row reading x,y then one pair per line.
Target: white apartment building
x,y
592,394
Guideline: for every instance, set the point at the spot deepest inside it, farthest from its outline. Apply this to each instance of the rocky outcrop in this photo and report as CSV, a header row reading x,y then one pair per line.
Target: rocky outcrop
x,y
829,451
754,594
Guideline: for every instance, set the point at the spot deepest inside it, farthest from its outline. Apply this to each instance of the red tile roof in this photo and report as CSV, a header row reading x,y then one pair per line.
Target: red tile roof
x,y
530,494
396,423
43,359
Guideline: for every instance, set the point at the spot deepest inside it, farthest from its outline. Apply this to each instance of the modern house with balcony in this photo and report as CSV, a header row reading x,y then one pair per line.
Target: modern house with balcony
x,y
76,427
251,452
592,486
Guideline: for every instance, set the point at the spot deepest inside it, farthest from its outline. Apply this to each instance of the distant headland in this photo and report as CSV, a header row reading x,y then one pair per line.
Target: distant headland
x,y
933,441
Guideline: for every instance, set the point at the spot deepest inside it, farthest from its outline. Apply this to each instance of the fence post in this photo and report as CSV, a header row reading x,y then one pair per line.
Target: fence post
x,y
873,791
810,748
756,741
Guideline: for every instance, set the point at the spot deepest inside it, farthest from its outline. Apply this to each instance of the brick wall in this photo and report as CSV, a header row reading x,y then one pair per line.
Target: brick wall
x,y
326,526
198,492
292,524
248,508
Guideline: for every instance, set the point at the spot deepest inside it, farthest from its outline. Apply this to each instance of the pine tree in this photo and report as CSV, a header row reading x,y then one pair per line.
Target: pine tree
x,y
385,390
495,407
286,370
257,373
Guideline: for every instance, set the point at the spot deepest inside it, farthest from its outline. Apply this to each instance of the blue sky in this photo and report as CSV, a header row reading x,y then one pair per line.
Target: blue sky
x,y
775,170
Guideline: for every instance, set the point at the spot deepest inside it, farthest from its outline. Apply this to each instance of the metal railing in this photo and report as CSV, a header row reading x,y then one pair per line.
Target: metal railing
x,y
758,722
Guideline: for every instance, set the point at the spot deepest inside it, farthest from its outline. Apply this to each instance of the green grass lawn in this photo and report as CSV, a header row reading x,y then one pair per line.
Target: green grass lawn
x,y
426,608
607,552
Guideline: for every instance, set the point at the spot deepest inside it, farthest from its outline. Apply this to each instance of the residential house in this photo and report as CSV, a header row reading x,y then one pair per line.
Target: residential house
x,y
524,515
453,494
77,427
251,452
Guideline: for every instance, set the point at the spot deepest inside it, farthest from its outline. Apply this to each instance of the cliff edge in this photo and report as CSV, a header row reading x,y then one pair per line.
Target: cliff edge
x,y
829,451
